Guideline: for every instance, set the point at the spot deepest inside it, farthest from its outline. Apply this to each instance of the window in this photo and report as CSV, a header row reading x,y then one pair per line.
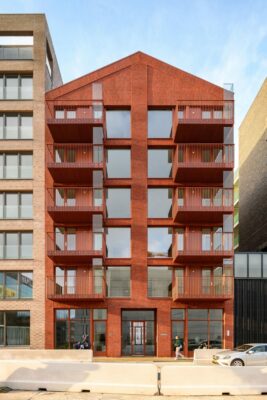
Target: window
x,y
160,203
159,242
118,242
264,265
159,282
160,123
15,328
118,281
254,265
205,328
16,87
15,205
160,163
241,268
100,328
118,163
16,47
16,245
16,285
118,203
15,166
118,124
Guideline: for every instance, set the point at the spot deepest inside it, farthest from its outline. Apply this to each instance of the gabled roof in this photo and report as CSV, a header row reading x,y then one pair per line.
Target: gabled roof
x,y
124,63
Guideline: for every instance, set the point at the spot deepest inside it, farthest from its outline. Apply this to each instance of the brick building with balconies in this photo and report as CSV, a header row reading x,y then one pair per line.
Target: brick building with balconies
x,y
139,222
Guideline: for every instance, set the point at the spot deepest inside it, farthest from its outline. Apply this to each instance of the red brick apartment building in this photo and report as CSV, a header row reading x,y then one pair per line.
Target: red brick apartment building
x,y
139,200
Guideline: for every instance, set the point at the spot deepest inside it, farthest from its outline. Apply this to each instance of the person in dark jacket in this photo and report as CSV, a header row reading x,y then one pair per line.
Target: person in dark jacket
x,y
178,345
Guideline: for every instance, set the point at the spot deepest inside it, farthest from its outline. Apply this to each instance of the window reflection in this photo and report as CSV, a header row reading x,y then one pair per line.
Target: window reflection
x,y
159,123
160,203
160,163
118,124
118,203
159,282
118,242
118,163
159,242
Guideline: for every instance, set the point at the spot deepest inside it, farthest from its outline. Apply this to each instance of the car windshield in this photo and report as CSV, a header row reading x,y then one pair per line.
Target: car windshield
x,y
244,347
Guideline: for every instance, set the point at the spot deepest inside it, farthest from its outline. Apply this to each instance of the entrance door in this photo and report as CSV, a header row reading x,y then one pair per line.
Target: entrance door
x,y
138,338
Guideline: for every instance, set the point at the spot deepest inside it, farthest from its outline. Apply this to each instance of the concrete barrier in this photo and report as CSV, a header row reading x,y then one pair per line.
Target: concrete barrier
x,y
28,354
204,356
55,375
213,380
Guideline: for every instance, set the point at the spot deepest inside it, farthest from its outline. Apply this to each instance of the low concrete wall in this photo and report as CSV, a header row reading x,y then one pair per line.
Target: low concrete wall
x,y
204,355
28,354
120,378
213,380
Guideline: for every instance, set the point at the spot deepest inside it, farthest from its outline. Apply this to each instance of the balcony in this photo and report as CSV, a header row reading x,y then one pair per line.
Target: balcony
x,y
199,204
74,205
205,119
202,246
74,121
74,163
220,288
78,288
202,162
72,245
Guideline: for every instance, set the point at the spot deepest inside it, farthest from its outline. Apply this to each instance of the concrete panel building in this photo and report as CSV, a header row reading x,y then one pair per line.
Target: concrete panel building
x,y
28,67
253,176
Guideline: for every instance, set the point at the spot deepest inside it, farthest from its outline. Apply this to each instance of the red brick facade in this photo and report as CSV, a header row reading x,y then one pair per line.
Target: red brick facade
x,y
138,83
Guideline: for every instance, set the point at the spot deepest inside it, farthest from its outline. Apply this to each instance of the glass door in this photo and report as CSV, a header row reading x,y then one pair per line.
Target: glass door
x,y
138,338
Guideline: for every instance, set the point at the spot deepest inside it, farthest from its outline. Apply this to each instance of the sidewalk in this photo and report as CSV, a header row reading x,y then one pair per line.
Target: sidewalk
x,y
19,395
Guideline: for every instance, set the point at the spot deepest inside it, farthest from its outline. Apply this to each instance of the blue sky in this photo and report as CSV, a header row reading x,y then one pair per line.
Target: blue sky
x,y
218,40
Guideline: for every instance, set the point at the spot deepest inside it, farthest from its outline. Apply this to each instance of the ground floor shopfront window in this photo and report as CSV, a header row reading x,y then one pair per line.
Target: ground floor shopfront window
x,y
72,324
138,332
198,328
14,328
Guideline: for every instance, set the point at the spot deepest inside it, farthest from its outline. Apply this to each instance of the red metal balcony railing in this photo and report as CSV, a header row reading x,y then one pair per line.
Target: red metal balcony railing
x,y
74,245
191,159
191,288
77,288
194,202
72,204
75,112
205,244
74,162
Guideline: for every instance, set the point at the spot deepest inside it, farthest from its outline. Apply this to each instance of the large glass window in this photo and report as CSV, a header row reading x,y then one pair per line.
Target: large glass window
x,y
159,123
118,203
205,328
118,242
254,265
15,205
16,87
159,282
16,285
118,163
16,245
159,242
177,321
118,124
159,163
15,126
15,166
241,267
264,274
160,203
118,281
15,328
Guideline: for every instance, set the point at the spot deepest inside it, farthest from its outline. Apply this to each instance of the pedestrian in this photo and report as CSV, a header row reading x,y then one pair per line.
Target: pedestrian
x,y
178,345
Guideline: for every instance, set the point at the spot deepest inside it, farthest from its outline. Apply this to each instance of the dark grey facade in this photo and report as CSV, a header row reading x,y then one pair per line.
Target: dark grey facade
x,y
250,271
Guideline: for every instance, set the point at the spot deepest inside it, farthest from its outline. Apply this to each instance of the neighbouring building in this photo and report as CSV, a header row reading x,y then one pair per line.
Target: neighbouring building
x,y
236,211
28,67
253,176
250,271
139,210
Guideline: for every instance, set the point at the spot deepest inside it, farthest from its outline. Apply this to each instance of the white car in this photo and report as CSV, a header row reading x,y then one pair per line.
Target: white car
x,y
251,354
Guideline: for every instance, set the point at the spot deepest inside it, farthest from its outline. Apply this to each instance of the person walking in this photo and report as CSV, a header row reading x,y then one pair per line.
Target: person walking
x,y
178,345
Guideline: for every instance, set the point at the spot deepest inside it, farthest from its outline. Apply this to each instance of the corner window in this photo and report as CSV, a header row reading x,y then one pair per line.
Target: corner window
x,y
118,242
159,242
160,163
118,163
160,124
118,124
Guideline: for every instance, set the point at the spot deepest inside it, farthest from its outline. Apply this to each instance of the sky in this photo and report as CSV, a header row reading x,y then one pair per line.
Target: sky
x,y
222,41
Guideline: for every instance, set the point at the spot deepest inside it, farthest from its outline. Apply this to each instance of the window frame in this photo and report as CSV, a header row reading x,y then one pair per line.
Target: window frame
x,y
19,165
19,86
19,205
19,245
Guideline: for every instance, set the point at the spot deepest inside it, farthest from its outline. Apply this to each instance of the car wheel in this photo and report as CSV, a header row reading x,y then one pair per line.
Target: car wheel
x,y
237,363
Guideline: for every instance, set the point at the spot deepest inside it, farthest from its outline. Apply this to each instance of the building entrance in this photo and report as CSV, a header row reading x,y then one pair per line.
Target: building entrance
x,y
138,333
